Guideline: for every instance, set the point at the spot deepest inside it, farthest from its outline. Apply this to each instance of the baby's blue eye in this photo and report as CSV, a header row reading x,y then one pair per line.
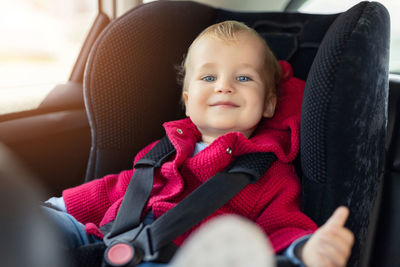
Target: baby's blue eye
x,y
209,79
243,79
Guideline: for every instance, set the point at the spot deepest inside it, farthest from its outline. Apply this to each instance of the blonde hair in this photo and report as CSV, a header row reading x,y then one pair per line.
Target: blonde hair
x,y
227,31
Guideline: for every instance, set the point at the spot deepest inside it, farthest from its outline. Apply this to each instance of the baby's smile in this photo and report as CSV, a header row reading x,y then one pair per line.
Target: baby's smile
x,y
224,104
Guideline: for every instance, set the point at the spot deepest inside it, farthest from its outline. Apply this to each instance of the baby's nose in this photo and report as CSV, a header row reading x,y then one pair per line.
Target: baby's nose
x,y
224,87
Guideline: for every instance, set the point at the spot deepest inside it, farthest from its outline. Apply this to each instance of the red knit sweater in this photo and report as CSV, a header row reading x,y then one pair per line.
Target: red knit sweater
x,y
272,202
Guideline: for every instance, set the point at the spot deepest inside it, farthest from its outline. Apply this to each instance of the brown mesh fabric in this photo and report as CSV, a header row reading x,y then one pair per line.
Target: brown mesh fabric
x,y
131,69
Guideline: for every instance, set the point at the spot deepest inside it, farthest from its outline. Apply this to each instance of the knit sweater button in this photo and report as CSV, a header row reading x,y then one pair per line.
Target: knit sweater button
x,y
229,151
179,131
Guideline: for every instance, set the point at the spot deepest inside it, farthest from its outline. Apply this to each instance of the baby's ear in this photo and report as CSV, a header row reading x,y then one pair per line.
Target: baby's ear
x,y
269,108
185,98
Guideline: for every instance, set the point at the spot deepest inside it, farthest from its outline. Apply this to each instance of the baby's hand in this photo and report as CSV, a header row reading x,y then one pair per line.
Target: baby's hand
x,y
330,245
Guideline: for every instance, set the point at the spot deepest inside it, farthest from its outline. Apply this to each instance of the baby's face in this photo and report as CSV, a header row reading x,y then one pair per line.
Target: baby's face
x,y
226,86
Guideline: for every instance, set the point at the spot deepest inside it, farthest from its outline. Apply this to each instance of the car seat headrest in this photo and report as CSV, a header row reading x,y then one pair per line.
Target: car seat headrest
x,y
293,37
343,125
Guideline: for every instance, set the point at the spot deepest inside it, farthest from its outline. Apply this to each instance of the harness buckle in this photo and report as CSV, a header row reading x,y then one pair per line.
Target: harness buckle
x,y
130,248
144,241
122,254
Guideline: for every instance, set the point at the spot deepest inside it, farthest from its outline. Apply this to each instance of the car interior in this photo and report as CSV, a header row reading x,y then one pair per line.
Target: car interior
x,y
123,87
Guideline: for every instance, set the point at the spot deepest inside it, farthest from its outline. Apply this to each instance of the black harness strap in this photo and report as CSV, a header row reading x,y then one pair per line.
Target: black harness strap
x,y
149,240
140,187
208,198
154,241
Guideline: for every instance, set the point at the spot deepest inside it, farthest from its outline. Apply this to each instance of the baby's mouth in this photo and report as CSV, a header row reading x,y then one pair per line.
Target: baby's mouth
x,y
227,104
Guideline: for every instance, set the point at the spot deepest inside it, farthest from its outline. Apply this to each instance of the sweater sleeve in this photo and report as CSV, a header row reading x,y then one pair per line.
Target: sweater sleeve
x,y
89,202
281,218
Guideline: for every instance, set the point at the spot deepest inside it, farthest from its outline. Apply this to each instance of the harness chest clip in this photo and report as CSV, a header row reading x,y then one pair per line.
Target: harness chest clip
x,y
122,254
130,248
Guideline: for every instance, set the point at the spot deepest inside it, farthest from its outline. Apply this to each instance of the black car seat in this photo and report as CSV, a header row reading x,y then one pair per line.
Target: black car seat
x,y
130,90
386,244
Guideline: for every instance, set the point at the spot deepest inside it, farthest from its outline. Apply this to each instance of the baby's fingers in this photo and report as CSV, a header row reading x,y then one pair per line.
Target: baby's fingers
x,y
341,240
347,236
338,218
333,231
332,257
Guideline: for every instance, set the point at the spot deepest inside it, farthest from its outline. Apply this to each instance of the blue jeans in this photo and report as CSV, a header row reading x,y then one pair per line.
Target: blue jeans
x,y
74,235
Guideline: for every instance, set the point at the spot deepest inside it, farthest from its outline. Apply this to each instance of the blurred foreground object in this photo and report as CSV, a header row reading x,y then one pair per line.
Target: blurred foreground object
x,y
26,238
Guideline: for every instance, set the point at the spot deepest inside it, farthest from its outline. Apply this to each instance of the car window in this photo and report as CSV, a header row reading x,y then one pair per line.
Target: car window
x,y
40,42
393,6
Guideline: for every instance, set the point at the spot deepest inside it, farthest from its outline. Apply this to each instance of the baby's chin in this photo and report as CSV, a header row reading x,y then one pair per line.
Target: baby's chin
x,y
214,133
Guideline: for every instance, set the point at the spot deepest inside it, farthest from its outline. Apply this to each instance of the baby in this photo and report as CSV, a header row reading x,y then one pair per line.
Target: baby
x,y
229,86
229,92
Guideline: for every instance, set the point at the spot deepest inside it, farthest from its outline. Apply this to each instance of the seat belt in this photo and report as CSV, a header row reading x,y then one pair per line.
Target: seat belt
x,y
140,187
138,242
208,198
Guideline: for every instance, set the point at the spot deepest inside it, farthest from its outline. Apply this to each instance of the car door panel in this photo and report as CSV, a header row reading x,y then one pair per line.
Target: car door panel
x,y
53,140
